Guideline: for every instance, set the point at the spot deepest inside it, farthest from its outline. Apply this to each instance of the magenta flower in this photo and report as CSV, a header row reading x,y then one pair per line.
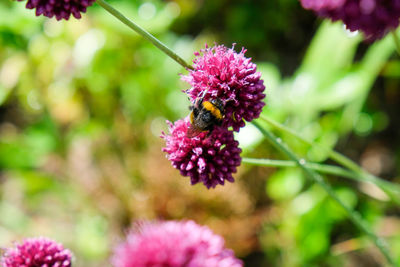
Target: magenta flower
x,y
174,244
320,4
37,252
210,158
373,17
61,9
222,73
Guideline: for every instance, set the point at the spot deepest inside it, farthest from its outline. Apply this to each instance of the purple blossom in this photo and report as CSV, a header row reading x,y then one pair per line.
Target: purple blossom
x,y
61,9
174,244
222,73
210,158
320,4
373,17
35,252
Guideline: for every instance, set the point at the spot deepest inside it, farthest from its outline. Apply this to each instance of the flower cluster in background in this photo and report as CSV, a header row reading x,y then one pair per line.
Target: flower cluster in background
x,y
174,243
168,243
373,17
218,73
61,9
33,252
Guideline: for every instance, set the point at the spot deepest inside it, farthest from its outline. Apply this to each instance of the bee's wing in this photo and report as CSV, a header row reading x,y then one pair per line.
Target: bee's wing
x,y
193,131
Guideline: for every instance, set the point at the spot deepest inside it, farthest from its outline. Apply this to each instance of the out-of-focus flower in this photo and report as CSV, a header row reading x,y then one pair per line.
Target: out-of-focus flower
x,y
61,9
219,72
373,17
34,252
210,158
174,243
320,4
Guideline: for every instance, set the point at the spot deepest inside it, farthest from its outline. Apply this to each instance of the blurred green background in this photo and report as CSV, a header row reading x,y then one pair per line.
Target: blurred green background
x,y
83,103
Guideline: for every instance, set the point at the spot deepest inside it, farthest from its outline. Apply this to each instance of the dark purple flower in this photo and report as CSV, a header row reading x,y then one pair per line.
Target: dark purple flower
x,y
37,252
222,73
210,158
174,244
61,9
373,17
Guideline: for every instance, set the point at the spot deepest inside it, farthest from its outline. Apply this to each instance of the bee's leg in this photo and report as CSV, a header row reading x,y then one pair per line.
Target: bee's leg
x,y
195,112
203,94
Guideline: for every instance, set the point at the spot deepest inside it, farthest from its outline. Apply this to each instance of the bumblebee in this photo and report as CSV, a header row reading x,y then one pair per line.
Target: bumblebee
x,y
205,115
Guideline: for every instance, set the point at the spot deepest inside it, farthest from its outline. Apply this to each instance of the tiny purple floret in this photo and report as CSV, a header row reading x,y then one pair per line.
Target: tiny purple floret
x,y
173,244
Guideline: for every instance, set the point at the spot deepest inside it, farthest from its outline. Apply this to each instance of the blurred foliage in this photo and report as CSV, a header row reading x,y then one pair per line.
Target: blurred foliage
x,y
83,102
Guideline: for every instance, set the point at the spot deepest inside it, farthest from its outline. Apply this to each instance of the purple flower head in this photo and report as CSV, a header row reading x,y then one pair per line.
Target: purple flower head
x,y
61,9
222,73
373,17
210,158
321,4
34,252
174,244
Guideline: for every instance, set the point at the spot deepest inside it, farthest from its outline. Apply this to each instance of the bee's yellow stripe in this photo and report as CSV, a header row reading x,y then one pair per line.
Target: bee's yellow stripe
x,y
192,117
214,110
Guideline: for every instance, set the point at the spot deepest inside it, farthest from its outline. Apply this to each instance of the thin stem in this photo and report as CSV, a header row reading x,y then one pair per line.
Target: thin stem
x,y
145,34
315,177
328,169
332,154
396,41
392,190
323,168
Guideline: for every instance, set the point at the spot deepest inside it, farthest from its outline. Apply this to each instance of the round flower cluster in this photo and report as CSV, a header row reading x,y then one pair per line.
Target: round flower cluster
x,y
174,243
212,156
373,17
61,9
219,72
208,159
33,252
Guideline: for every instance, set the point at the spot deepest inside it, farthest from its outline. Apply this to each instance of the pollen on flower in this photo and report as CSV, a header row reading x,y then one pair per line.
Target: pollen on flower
x,y
61,9
173,243
210,158
219,72
374,18
33,252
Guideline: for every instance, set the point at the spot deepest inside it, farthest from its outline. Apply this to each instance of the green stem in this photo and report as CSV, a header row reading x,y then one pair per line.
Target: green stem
x,y
315,177
145,34
392,190
396,41
323,168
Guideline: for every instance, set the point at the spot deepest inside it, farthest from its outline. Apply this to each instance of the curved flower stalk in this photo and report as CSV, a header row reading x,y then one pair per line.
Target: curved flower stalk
x,y
173,243
219,72
34,252
375,18
210,158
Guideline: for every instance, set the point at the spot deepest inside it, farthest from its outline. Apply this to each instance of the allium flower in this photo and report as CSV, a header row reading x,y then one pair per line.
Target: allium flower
x,y
231,77
319,4
61,9
373,17
174,244
210,158
37,252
